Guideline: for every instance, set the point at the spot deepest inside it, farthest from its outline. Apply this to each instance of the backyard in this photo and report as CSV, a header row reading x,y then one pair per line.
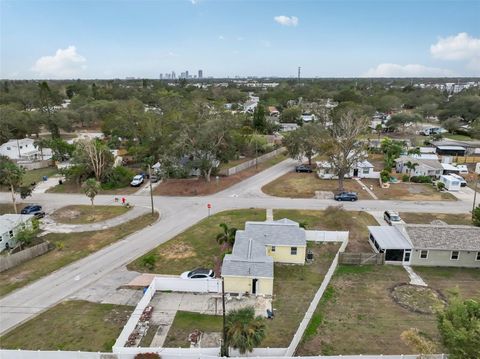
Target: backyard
x,y
82,214
358,302
304,185
68,247
200,187
70,325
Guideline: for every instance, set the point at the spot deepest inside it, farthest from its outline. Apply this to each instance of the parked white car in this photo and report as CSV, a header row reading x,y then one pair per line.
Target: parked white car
x,y
137,181
199,273
392,218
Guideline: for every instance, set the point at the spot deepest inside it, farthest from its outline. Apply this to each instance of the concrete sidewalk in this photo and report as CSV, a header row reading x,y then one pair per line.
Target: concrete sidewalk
x,y
44,186
50,226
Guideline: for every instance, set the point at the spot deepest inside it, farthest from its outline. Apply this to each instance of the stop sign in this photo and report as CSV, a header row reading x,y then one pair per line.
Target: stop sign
x,y
209,206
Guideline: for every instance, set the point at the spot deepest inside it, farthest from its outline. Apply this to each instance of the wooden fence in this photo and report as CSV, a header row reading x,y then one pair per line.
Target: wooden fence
x,y
250,163
466,159
361,258
12,260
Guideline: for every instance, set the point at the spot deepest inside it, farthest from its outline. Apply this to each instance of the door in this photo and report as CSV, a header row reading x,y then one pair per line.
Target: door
x,y
355,172
406,256
254,286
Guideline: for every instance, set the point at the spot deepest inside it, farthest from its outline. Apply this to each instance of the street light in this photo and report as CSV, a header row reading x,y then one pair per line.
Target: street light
x,y
151,190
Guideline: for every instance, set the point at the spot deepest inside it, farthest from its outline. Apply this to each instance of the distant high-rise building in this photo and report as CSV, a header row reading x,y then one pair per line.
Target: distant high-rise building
x,y
200,74
161,76
186,74
173,75
182,75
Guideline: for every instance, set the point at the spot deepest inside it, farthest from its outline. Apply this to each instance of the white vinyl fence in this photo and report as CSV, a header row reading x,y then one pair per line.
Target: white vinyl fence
x,y
250,163
177,354
326,236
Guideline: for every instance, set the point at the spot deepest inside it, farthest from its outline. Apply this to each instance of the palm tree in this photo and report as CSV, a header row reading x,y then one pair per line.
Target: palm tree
x,y
411,167
244,330
11,175
91,188
227,236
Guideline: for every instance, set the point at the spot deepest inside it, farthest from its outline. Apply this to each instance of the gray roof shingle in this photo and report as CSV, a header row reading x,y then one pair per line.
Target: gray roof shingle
x,y
462,238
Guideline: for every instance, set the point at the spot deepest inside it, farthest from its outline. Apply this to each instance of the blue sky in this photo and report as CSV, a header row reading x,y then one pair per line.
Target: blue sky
x,y
105,39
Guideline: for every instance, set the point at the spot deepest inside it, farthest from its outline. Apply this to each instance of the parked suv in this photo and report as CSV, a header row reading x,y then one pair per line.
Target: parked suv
x,y
137,181
392,217
303,168
34,209
346,196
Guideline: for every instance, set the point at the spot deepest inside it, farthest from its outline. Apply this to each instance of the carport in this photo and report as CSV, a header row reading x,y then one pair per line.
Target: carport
x,y
392,242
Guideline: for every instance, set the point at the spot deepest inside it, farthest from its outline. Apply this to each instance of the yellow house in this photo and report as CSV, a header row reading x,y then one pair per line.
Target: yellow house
x,y
249,269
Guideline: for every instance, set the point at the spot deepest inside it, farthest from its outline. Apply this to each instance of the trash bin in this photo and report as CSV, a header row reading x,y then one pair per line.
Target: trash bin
x,y
60,181
45,178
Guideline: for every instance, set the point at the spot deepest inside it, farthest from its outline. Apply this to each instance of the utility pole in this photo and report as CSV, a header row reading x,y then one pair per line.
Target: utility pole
x,y
151,190
475,194
224,348
256,151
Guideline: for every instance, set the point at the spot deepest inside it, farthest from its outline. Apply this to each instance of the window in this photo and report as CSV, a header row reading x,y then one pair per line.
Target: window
x,y
11,234
273,248
423,254
293,251
9,148
478,256
454,256
366,170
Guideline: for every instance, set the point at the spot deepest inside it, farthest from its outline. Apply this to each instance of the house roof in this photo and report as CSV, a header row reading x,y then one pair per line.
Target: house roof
x,y
390,237
454,148
249,257
426,236
10,221
431,164
360,164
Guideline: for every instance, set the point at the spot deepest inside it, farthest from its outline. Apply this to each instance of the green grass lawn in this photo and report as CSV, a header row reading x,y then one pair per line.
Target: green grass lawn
x,y
335,219
72,187
457,137
427,218
197,246
358,302
69,247
71,325
186,322
83,214
37,175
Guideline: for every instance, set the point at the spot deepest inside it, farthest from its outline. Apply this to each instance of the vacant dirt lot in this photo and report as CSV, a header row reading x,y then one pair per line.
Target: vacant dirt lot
x,y
200,187
304,185
80,214
408,191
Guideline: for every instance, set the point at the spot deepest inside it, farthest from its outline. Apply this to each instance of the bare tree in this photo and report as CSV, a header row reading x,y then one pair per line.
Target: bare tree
x,y
96,156
342,145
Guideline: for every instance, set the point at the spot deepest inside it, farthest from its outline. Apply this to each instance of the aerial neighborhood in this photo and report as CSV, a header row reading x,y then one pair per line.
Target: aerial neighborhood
x,y
205,179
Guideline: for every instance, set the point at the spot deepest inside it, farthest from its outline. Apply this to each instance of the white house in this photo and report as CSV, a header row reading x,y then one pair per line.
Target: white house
x,y
287,127
24,149
424,167
362,169
10,224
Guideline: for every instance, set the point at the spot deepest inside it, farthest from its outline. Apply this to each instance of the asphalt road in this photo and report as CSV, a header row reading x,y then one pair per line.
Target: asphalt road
x,y
177,214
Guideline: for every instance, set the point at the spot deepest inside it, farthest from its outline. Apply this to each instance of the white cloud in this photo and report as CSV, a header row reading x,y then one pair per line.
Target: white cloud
x,y
221,37
194,2
411,70
461,47
286,20
65,63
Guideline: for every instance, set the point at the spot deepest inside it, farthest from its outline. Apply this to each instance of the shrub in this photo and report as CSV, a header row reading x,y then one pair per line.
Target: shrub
x,y
476,216
385,176
405,178
421,179
440,186
148,261
118,177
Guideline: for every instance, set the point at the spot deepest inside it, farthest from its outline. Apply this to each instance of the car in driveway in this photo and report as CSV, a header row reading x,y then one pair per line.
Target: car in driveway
x,y
154,178
392,218
34,209
137,181
199,273
303,168
346,196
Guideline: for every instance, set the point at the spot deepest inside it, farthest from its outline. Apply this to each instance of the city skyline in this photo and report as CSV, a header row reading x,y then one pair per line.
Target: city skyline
x,y
227,39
